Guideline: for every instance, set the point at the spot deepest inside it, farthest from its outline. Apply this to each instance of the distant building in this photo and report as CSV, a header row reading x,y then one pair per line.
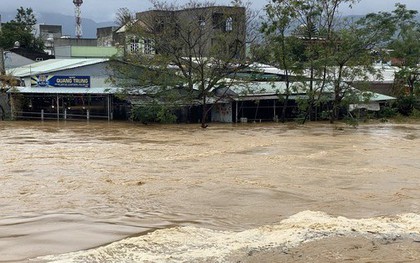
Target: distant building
x,y
207,23
67,41
30,55
48,33
85,52
105,36
66,47
210,22
14,60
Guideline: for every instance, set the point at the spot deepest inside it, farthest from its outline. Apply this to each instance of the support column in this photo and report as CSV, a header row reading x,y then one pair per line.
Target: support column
x,y
58,108
275,117
236,112
109,107
12,106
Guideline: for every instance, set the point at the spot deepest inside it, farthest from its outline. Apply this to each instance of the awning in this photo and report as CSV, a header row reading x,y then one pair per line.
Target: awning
x,y
45,90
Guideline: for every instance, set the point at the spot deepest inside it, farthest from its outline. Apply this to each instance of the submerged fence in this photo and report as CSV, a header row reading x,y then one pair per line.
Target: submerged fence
x,y
42,115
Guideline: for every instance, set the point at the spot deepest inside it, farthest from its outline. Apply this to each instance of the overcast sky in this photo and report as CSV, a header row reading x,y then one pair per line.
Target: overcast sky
x,y
104,10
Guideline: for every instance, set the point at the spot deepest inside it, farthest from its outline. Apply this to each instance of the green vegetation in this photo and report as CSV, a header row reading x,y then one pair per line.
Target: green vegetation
x,y
177,53
308,40
20,30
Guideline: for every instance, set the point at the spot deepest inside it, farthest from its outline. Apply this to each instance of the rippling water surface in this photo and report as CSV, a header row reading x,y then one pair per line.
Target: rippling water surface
x,y
73,186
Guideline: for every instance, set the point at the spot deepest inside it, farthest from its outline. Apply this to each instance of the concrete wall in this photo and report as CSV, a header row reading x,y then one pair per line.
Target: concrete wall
x,y
85,52
222,112
59,42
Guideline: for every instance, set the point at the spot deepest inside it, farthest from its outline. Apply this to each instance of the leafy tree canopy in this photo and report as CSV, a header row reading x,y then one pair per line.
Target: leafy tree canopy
x,y
194,48
20,30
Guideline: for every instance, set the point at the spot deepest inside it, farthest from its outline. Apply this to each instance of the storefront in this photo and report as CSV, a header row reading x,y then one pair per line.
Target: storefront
x,y
62,103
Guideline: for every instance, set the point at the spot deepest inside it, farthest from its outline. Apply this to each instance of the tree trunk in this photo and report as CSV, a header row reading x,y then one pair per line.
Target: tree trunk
x,y
3,112
311,98
283,110
204,114
334,110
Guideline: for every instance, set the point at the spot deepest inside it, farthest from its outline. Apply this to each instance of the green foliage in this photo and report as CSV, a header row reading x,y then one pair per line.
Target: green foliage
x,y
405,105
189,55
331,50
20,30
387,112
406,47
354,122
415,113
25,17
153,113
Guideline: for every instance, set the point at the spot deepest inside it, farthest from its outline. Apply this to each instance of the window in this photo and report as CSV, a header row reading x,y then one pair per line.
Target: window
x,y
148,47
217,20
160,25
134,46
229,24
201,21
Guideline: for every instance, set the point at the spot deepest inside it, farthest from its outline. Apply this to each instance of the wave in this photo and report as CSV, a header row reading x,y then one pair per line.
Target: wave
x,y
192,244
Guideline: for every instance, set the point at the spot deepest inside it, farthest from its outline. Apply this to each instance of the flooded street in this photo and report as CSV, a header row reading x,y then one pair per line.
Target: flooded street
x,y
74,186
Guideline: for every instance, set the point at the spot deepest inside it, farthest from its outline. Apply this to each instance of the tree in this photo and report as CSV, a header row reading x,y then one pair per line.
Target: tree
x,y
187,51
124,16
334,50
26,18
406,46
280,18
20,30
351,54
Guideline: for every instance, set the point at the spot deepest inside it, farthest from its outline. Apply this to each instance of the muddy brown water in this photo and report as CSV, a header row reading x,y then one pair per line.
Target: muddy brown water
x,y
73,186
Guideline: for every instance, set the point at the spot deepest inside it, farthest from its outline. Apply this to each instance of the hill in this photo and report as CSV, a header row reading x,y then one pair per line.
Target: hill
x,y
88,25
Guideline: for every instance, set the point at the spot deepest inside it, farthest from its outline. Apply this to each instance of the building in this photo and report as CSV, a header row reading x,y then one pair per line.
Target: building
x,y
260,96
105,36
152,31
382,82
84,52
18,56
14,60
48,33
63,89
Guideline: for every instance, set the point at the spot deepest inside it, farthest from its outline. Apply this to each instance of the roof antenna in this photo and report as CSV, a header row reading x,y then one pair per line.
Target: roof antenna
x,y
78,15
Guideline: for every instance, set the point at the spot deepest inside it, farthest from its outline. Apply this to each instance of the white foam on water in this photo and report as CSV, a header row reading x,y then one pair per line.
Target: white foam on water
x,y
192,244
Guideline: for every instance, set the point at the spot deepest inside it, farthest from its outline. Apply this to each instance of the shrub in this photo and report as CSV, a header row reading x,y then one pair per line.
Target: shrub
x,y
153,113
405,105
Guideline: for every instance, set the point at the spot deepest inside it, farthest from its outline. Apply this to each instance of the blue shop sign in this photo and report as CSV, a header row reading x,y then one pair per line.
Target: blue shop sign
x,y
60,81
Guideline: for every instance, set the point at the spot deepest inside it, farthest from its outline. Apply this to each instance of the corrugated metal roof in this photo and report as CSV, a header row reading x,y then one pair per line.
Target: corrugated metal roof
x,y
45,90
53,65
380,97
262,90
259,67
275,87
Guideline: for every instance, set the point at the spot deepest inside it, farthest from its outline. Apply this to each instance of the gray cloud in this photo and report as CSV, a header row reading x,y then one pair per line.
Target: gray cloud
x,y
104,10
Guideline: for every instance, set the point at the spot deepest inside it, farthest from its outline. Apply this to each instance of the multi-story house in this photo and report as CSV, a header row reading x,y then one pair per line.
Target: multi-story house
x,y
193,31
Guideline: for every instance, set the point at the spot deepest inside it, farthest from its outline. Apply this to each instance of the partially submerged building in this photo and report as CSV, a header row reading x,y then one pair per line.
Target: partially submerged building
x,y
262,96
63,89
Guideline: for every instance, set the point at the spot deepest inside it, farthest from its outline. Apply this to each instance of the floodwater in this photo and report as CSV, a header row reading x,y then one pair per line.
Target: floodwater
x,y
127,192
